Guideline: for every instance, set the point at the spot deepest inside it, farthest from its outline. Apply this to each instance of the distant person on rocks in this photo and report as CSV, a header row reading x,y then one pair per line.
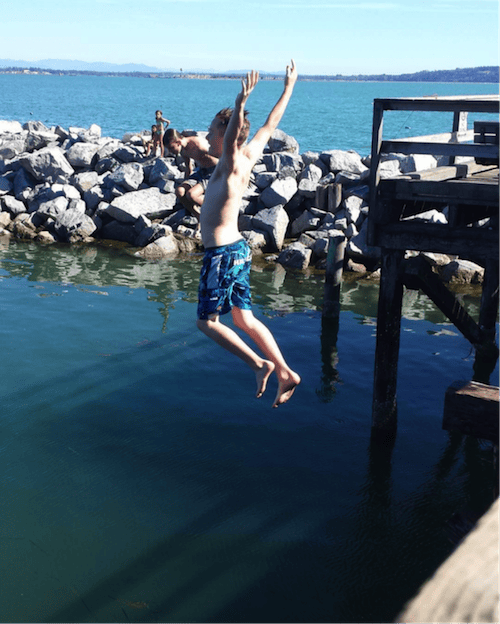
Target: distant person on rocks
x,y
148,145
194,150
224,279
160,131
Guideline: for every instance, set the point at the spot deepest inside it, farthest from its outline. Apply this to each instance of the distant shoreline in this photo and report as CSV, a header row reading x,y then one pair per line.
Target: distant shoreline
x,y
489,75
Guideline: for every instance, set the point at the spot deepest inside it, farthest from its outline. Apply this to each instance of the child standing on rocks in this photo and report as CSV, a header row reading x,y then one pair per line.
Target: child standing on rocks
x,y
224,280
160,131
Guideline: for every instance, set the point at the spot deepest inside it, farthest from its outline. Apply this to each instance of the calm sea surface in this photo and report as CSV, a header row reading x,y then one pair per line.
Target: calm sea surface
x,y
320,115
142,481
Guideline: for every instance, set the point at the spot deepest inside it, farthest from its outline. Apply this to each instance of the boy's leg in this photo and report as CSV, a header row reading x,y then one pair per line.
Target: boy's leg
x,y
288,379
227,338
191,197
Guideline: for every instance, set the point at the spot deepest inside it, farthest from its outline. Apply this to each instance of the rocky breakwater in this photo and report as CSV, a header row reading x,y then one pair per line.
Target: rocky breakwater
x,y
73,185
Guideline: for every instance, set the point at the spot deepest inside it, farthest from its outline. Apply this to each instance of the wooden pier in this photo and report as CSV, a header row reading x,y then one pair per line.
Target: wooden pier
x,y
467,186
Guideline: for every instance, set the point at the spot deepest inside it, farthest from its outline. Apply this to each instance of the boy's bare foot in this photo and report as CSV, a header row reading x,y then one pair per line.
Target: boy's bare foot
x,y
286,388
262,375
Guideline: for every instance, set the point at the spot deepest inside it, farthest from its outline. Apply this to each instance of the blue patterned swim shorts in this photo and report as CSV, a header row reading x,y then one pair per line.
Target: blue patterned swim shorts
x,y
225,279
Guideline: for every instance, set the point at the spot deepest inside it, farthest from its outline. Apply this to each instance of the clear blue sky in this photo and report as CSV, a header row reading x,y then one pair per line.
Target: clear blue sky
x,y
323,36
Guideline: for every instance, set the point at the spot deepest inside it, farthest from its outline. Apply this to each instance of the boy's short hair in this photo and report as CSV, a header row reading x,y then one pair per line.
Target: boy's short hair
x,y
224,116
171,135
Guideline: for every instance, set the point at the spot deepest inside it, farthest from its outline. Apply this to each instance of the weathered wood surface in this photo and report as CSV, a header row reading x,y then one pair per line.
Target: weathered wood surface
x,y
403,146
475,190
449,172
465,587
384,408
333,276
459,103
434,237
472,408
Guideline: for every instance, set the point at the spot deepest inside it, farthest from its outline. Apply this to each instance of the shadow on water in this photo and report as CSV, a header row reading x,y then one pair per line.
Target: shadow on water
x,y
216,513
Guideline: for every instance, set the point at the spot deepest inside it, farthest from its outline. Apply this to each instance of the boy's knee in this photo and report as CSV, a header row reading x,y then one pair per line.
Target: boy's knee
x,y
180,191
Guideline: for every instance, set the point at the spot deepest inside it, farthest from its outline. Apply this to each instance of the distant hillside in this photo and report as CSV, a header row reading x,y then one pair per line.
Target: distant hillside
x,y
80,66
470,74
489,74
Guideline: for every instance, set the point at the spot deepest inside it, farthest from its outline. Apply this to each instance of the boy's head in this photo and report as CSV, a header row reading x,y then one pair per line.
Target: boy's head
x,y
218,129
173,141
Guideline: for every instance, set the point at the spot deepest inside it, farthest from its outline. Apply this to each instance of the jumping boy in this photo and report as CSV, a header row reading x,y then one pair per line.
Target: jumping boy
x,y
193,149
224,280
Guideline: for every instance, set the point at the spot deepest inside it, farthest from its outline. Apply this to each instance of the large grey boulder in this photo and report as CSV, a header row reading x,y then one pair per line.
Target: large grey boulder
x,y
274,221
296,256
265,179
353,206
47,165
148,202
12,205
359,250
53,207
279,192
462,272
126,154
82,154
150,233
86,180
73,225
11,145
39,139
306,221
116,230
13,127
308,180
163,247
340,160
129,176
163,169
282,142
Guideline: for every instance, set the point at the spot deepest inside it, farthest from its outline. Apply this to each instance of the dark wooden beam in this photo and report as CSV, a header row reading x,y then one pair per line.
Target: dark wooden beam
x,y
384,408
472,408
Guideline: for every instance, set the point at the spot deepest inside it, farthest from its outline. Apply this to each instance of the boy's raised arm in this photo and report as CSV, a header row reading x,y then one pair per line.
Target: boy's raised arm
x,y
238,116
262,136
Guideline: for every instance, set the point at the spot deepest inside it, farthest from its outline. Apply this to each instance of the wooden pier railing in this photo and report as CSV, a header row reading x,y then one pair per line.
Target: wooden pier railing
x,y
469,192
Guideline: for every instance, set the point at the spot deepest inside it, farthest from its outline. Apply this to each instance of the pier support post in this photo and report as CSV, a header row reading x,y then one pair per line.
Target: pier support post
x,y
333,277
487,353
384,408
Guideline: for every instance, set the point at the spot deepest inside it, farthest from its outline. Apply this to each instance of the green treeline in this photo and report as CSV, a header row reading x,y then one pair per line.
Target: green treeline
x,y
472,74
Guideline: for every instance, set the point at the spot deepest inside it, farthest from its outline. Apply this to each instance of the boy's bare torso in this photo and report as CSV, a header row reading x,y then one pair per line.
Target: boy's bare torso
x,y
221,207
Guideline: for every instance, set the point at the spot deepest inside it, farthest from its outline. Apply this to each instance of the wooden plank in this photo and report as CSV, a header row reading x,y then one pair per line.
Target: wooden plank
x,y
448,172
474,150
472,242
472,408
480,191
472,104
443,137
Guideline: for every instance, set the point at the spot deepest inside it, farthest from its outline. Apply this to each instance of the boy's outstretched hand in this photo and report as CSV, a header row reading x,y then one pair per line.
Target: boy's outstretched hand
x,y
291,74
247,86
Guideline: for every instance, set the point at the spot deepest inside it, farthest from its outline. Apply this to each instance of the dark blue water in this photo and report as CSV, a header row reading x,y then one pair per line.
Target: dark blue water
x,y
320,115
142,481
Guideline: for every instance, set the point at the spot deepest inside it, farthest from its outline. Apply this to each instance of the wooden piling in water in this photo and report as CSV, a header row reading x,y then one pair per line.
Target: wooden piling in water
x,y
333,277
